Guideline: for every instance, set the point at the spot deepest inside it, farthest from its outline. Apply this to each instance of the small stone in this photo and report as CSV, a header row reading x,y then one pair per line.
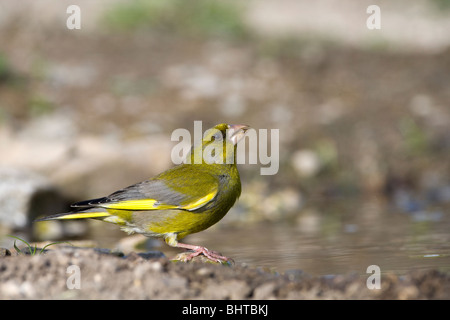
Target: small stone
x,y
306,163
156,266
153,254
4,252
233,289
264,291
296,274
25,195
205,272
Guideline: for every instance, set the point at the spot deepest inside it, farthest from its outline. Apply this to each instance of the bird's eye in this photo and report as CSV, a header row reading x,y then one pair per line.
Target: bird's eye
x,y
217,136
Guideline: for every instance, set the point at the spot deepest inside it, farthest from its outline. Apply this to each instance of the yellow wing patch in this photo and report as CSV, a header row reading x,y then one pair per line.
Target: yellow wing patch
x,y
84,215
144,204
152,204
200,202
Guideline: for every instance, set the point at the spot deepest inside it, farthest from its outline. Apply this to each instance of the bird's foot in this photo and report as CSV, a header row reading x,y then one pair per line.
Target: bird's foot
x,y
209,254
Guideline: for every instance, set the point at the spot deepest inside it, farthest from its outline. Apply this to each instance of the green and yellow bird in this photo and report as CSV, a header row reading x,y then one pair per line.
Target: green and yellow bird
x,y
185,199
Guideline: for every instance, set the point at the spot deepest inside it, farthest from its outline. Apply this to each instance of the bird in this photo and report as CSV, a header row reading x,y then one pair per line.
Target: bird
x,y
187,198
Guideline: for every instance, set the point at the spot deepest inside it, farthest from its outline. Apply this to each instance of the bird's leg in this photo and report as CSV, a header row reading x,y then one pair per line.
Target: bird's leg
x,y
212,255
197,250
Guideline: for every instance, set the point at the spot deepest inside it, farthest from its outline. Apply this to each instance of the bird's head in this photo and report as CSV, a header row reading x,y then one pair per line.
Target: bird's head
x,y
219,144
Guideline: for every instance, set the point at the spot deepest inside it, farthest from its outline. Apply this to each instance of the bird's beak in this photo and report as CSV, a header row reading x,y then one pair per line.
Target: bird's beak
x,y
236,132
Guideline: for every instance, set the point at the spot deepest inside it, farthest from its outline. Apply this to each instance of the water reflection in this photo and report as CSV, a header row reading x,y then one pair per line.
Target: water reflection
x,y
338,239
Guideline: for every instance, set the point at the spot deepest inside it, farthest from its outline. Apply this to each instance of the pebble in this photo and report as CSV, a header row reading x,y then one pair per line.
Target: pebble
x,y
4,252
265,291
153,254
306,163
25,195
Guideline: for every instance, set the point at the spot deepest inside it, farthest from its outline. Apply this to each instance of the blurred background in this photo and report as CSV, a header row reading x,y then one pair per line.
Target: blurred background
x,y
364,118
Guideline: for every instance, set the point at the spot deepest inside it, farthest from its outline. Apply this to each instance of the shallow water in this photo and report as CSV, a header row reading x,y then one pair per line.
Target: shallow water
x,y
336,241
332,237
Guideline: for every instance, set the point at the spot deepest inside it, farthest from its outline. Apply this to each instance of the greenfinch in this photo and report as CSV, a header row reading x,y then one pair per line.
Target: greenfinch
x,y
188,198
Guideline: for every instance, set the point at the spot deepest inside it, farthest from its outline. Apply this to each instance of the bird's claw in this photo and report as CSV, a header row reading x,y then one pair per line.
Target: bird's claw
x,y
211,255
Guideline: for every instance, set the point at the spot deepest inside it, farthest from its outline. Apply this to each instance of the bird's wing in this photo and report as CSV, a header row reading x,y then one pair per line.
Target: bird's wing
x,y
184,190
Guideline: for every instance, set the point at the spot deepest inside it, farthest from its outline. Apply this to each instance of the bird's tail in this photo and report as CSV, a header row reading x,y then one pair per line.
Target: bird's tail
x,y
82,213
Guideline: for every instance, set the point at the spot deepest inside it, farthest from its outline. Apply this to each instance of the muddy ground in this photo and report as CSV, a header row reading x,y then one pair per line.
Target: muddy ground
x,y
110,275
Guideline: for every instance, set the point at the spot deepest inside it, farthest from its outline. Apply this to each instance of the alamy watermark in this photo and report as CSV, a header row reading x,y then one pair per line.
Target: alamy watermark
x,y
374,280
74,279
74,20
374,20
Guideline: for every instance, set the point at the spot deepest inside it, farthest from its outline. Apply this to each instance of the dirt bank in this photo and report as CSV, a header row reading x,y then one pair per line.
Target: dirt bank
x,y
107,275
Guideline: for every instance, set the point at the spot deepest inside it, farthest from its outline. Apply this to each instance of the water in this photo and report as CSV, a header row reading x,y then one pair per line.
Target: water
x,y
338,240
330,237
